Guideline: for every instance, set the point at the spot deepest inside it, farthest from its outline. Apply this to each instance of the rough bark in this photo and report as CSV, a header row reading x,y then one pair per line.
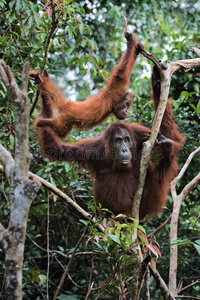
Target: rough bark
x,y
178,200
22,189
165,75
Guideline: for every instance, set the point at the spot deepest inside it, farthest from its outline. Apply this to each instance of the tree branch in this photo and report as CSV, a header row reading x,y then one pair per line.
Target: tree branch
x,y
22,189
20,100
69,263
55,22
158,65
125,23
67,199
189,187
196,51
165,75
7,161
35,102
178,200
182,172
189,286
62,195
159,227
163,287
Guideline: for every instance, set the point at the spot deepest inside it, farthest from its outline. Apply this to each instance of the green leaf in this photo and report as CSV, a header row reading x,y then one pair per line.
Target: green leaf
x,y
42,279
92,207
70,8
181,242
12,142
2,3
11,4
81,28
18,5
84,43
115,238
183,96
68,297
197,245
198,108
104,74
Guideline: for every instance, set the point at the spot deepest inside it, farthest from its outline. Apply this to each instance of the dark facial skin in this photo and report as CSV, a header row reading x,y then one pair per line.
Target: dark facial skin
x,y
120,146
122,109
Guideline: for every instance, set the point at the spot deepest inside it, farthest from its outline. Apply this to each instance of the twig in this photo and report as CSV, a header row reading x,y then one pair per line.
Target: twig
x,y
177,202
142,272
55,22
123,289
189,286
195,222
187,297
35,102
59,252
184,168
48,252
163,287
125,23
190,186
148,284
90,284
63,196
159,227
69,263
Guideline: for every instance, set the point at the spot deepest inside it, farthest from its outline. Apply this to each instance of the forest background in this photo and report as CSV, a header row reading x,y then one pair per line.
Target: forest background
x,y
86,43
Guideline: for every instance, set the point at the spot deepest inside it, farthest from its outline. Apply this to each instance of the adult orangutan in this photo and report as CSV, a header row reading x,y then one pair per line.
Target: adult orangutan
x,y
114,159
86,114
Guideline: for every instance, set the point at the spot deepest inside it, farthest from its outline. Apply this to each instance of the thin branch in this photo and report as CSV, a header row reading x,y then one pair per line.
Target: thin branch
x,y
90,284
163,287
187,297
69,263
48,243
55,22
35,102
148,295
190,186
67,199
125,23
159,227
63,196
189,286
195,222
178,199
184,168
59,252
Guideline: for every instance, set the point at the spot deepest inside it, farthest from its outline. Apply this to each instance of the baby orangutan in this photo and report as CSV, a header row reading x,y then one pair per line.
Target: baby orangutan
x,y
114,98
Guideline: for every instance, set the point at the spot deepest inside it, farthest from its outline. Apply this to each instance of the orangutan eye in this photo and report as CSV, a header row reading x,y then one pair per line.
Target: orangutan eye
x,y
118,140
